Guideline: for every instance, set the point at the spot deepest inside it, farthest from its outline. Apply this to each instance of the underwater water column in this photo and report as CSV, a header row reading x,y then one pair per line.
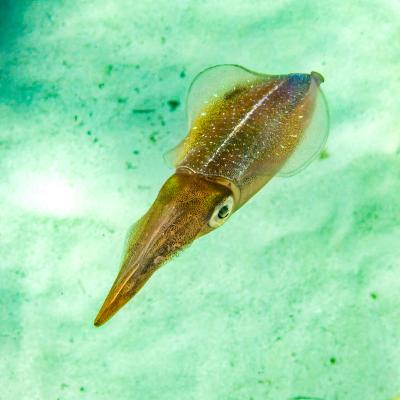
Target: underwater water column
x,y
295,297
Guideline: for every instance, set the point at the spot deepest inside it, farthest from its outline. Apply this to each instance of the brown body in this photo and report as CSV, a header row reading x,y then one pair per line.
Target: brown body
x,y
240,136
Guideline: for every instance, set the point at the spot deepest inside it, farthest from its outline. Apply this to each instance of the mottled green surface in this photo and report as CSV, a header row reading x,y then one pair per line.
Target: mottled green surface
x,y
298,296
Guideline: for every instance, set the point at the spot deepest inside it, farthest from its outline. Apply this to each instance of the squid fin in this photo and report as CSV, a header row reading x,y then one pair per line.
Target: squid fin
x,y
312,141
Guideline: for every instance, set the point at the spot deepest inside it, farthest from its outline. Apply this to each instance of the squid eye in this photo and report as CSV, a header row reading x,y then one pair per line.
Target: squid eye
x,y
221,212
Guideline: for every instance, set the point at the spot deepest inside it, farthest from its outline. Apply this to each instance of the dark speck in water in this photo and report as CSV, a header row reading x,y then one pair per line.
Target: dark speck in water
x,y
122,100
332,360
88,133
153,136
101,85
51,95
136,152
109,69
161,119
173,104
305,398
143,110
143,187
182,74
129,165
323,155
374,295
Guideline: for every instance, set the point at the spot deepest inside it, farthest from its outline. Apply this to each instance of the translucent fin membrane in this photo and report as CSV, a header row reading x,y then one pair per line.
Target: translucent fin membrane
x,y
174,156
313,138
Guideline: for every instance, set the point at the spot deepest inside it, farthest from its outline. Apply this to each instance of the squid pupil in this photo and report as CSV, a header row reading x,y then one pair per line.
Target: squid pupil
x,y
223,212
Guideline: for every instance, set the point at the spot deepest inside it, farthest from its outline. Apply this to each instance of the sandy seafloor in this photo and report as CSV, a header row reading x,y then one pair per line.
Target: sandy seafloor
x,y
296,297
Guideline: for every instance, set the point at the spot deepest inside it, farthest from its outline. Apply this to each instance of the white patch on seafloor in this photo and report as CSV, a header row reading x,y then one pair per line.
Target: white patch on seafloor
x,y
48,194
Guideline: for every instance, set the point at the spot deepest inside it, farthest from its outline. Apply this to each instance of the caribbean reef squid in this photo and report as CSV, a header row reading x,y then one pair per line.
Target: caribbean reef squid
x,y
244,128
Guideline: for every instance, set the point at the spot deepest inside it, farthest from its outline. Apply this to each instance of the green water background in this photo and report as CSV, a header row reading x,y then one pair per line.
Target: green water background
x,y
298,295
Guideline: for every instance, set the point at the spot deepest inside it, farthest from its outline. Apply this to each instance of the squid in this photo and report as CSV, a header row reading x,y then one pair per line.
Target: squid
x,y
244,128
